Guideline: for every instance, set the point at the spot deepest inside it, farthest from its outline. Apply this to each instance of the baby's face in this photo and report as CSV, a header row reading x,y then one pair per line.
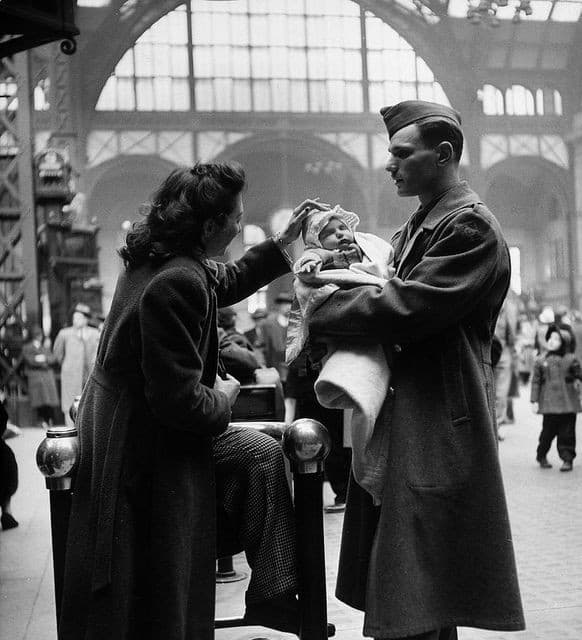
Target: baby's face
x,y
336,235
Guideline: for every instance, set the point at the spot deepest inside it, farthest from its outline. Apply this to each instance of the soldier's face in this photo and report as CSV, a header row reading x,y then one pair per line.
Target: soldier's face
x,y
411,164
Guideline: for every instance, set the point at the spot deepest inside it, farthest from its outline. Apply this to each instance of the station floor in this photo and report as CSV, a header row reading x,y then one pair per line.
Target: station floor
x,y
545,508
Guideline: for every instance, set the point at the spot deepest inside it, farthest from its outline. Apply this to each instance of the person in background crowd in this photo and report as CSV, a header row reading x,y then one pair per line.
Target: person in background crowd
x,y
235,352
274,333
75,349
555,396
525,346
146,519
505,334
545,320
438,552
563,322
38,367
255,335
8,471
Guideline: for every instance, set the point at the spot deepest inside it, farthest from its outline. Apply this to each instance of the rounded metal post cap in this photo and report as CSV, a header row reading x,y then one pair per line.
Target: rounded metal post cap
x,y
57,456
306,442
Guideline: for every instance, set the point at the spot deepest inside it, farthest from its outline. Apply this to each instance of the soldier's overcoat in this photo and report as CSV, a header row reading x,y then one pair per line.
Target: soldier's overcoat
x,y
438,552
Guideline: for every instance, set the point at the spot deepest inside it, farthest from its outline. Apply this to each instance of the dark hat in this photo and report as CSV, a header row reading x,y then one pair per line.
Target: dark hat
x,y
85,309
259,314
283,297
408,112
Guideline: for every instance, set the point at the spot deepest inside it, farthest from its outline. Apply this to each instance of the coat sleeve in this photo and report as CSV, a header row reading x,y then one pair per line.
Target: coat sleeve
x,y
450,280
172,314
258,266
536,381
59,347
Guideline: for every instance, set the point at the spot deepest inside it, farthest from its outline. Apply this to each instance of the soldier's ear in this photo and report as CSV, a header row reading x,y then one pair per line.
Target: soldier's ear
x,y
445,152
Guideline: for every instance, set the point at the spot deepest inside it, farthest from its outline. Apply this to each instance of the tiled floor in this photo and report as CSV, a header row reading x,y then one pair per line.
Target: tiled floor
x,y
545,509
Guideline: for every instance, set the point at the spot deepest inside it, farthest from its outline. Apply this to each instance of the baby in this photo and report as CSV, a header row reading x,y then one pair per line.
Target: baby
x,y
357,379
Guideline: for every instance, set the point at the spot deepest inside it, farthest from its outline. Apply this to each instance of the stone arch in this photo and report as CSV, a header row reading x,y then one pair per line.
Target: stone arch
x,y
114,190
532,200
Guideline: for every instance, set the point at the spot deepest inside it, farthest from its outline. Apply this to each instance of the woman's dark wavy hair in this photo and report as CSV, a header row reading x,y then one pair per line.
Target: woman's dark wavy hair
x,y
178,209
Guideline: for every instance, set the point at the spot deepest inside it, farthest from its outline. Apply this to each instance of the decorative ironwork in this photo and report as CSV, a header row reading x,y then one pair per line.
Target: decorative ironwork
x,y
485,11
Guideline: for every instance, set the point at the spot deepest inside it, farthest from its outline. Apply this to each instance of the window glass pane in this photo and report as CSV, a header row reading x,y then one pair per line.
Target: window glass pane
x,y
163,94
334,63
125,65
221,58
278,59
353,65
204,95
241,62
558,103
407,91
351,33
144,61
259,30
223,94
296,31
202,28
239,29
203,67
241,95
260,63
297,63
376,96
161,60
179,61
144,94
354,97
299,96
315,32
375,65
318,95
336,95
316,59
107,101
277,30
181,95
177,27
221,29
280,95
262,95
540,102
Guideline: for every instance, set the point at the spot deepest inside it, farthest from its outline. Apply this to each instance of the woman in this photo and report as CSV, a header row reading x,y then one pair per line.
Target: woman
x,y
142,541
42,386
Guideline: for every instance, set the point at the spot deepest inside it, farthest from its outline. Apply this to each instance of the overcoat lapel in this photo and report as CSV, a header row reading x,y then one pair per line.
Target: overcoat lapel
x,y
455,199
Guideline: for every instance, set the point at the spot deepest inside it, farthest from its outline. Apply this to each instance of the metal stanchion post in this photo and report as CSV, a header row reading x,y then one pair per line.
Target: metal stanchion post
x,y
56,458
307,443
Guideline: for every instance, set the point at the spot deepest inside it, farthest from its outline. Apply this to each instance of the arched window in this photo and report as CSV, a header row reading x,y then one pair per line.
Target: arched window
x,y
492,100
519,101
269,55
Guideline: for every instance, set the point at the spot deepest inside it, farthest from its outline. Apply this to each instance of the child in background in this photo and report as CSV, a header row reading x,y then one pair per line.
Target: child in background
x,y
555,396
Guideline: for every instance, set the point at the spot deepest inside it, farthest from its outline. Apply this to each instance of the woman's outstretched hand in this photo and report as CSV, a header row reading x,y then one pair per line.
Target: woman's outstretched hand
x,y
291,232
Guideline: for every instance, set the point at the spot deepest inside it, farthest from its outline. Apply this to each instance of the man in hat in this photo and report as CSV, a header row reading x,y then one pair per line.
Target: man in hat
x,y
437,553
255,335
274,331
75,349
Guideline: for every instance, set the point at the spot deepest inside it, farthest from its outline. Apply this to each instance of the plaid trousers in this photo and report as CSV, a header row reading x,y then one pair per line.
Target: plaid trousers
x,y
255,511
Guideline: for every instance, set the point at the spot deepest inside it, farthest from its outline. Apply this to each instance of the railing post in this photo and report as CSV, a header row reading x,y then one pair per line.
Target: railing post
x,y
56,458
307,443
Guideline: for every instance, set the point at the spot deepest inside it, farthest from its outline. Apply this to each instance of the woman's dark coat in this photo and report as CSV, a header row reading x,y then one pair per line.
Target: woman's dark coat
x,y
438,552
552,384
42,386
141,549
